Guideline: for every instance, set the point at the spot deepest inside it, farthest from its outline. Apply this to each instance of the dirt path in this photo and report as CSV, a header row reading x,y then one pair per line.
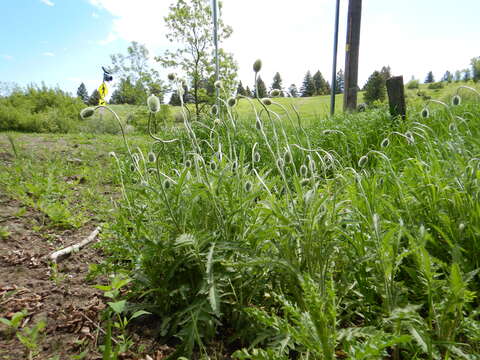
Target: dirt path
x,y
60,296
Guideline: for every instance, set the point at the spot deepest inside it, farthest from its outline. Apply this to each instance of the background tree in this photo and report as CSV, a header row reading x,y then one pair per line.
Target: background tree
x,y
248,92
277,82
175,99
82,93
447,77
340,83
458,76
375,88
386,72
467,75
241,90
322,87
476,69
292,89
134,69
308,86
429,79
189,24
128,92
94,98
260,88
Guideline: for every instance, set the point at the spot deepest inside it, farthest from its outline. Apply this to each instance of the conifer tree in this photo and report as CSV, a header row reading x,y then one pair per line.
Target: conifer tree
x,y
260,88
308,86
321,86
248,92
277,82
340,83
94,98
375,88
429,79
292,89
241,90
82,93
467,75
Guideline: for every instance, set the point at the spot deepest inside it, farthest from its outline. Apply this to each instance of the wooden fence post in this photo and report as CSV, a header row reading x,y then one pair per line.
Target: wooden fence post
x,y
396,97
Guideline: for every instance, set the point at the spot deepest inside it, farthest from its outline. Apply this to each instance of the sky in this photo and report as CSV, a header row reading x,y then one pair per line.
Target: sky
x,y
65,42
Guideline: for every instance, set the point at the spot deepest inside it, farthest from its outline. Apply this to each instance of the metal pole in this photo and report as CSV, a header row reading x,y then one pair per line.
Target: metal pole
x,y
334,67
215,43
352,49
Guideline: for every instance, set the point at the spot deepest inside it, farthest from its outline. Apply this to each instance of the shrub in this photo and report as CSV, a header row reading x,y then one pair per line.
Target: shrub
x,y
436,85
39,109
413,84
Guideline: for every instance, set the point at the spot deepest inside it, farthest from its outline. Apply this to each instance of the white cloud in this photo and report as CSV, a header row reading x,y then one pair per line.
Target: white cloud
x,y
111,37
47,2
49,54
140,20
6,57
293,37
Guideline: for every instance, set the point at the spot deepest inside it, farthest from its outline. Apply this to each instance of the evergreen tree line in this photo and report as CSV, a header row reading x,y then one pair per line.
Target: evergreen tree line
x,y
311,86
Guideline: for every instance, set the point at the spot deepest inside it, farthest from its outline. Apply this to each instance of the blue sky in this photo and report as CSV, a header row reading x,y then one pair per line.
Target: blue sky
x,y
64,42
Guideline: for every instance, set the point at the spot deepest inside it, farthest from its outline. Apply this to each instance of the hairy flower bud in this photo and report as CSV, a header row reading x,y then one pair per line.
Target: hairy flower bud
x,y
385,142
287,157
248,186
256,157
362,161
275,92
456,100
172,76
188,164
303,170
425,113
151,157
257,65
153,104
87,112
232,102
217,84
266,101
167,184
214,110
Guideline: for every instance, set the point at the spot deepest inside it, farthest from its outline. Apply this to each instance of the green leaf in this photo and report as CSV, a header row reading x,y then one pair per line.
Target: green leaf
x,y
139,313
118,306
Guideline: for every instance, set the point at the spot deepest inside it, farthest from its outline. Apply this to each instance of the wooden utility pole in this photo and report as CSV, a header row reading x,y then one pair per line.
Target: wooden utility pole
x,y
352,50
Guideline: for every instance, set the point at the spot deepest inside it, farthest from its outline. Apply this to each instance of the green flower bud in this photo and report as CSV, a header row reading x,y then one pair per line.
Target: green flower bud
x,y
167,184
87,112
257,65
362,161
232,102
218,84
456,100
385,142
425,113
248,186
151,157
188,164
303,170
214,110
256,157
266,101
362,107
172,76
288,157
275,92
280,163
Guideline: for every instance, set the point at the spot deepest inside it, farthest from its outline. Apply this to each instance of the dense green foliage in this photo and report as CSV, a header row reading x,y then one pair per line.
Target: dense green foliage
x,y
375,89
353,236
39,109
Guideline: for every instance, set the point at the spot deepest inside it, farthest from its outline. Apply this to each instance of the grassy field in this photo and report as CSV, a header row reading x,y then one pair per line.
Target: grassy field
x,y
351,237
317,108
